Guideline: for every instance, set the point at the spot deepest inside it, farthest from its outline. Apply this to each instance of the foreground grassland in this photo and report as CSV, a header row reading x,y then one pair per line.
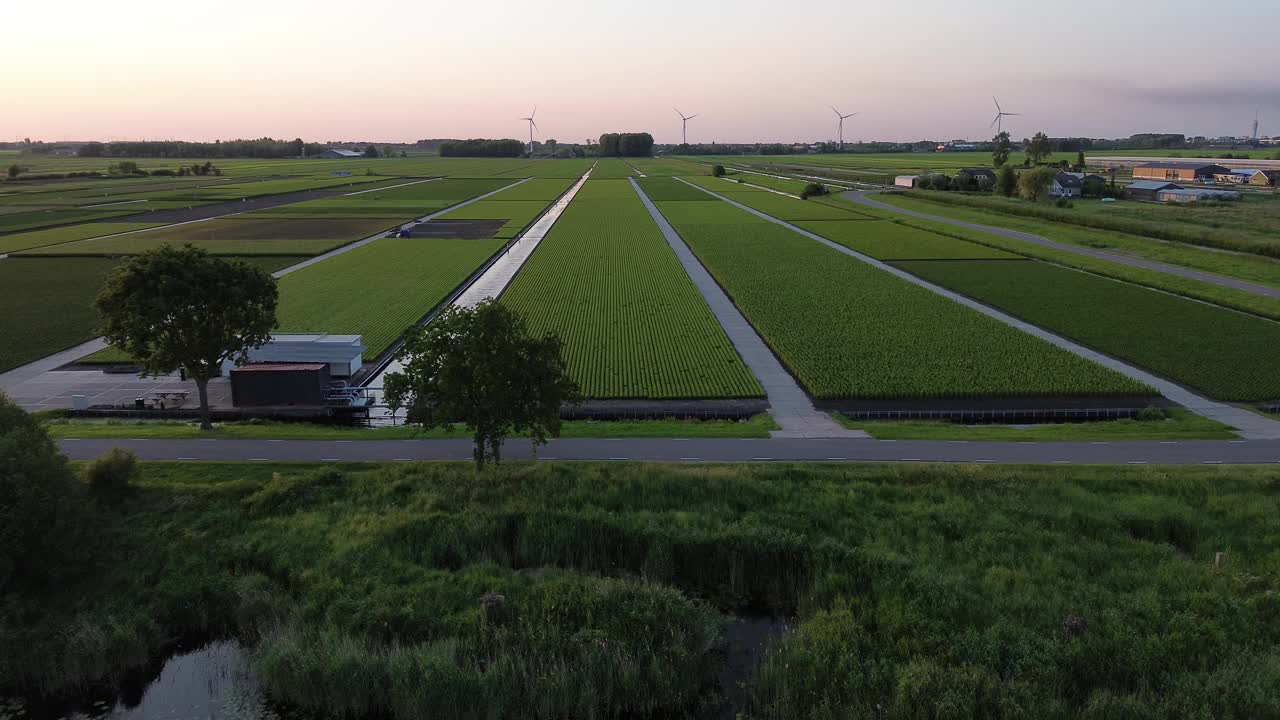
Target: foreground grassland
x,y
1179,425
850,331
1225,354
633,324
914,592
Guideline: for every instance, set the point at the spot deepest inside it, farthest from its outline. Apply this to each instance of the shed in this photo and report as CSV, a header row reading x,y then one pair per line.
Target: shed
x,y
905,181
266,384
342,354
339,154
1187,195
1147,189
1182,171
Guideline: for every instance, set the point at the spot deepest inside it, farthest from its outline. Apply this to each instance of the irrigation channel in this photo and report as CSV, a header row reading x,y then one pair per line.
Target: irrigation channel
x,y
215,680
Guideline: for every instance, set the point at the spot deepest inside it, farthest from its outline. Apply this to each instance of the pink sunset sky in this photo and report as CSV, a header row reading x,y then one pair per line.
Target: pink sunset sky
x,y
386,70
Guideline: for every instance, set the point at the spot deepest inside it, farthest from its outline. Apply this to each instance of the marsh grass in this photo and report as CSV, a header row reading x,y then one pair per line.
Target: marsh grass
x,y
600,590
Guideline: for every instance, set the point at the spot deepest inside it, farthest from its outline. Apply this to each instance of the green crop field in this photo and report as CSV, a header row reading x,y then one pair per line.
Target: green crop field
x,y
667,188
776,183
779,206
18,222
517,213
543,189
46,304
607,168
633,324
886,240
850,331
395,202
1225,354
378,290
67,234
657,167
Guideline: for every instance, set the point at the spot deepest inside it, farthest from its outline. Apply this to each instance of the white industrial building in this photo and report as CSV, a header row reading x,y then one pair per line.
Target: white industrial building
x,y
342,353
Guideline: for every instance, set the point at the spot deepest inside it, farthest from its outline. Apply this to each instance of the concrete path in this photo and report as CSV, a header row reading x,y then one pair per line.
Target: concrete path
x,y
1249,424
495,279
36,385
860,196
789,405
1187,452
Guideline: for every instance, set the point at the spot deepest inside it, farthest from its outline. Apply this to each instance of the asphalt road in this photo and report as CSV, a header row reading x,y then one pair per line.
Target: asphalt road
x,y
1188,452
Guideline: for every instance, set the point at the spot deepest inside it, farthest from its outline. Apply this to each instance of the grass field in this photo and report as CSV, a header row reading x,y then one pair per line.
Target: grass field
x,y
1225,354
633,324
907,591
886,240
849,331
379,290
1180,425
68,234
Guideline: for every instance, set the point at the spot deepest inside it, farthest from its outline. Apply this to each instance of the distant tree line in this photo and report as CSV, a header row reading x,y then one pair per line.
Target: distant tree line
x,y
626,145
260,148
480,147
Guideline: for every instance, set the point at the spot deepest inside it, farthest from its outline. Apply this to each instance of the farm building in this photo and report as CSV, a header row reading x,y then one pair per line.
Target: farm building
x,y
1147,189
1181,195
905,181
965,175
1065,184
1181,171
338,154
1249,176
340,354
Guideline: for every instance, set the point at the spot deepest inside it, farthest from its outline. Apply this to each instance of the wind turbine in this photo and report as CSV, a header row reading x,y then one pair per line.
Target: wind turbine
x,y
842,119
684,124
532,126
1000,115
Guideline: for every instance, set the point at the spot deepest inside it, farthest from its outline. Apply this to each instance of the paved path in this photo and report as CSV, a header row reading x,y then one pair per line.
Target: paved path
x,y
1190,452
860,196
1250,425
788,403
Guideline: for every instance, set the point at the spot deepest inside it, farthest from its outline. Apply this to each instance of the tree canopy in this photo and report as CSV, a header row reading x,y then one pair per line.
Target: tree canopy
x,y
1039,148
172,308
626,144
480,366
1000,149
480,147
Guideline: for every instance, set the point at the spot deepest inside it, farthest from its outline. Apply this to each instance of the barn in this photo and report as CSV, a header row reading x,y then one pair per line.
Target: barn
x,y
1180,171
339,154
1148,189
905,181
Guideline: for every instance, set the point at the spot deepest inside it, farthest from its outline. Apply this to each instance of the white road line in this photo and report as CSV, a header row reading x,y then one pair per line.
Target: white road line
x,y
837,458
1168,442
257,460
690,458
762,458
329,460
612,458
1211,462
910,460
275,441
985,460
402,460
389,187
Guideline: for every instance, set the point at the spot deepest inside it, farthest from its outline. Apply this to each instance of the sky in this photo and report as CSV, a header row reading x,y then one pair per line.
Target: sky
x,y
754,70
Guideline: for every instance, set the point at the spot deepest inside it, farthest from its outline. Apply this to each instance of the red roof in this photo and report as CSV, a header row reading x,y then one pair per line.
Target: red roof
x,y
279,367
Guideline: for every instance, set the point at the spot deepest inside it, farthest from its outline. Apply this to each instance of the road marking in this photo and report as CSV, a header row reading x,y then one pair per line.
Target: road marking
x,y
690,458
1099,442
344,441
1168,442
1237,442
257,460
1211,462
612,458
186,458
681,439
910,460
762,458
984,460
328,459
837,458
403,460
208,440
1136,462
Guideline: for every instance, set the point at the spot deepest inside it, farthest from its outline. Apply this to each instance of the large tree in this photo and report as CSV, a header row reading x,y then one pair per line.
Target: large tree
x,y
172,308
1000,151
1034,184
480,366
1039,148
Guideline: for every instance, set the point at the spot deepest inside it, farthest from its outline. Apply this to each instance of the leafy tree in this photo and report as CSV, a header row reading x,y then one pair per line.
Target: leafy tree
x,y
387,151
1034,184
370,151
813,189
173,308
1039,148
90,149
481,367
1080,163
550,146
1000,153
984,183
15,170
38,506
1006,182
717,171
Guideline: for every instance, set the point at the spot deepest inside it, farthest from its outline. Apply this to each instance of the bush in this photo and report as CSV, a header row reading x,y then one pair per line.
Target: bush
x,y
110,475
37,502
813,189
717,171
1063,203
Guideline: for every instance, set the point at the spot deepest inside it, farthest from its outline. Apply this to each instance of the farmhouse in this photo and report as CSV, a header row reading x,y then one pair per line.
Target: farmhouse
x,y
337,154
905,181
1182,171
969,174
1065,184
1249,176
1147,189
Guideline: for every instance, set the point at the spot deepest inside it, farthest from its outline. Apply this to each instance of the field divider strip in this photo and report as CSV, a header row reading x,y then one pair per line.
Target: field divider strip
x,y
392,187
861,198
789,405
1251,425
